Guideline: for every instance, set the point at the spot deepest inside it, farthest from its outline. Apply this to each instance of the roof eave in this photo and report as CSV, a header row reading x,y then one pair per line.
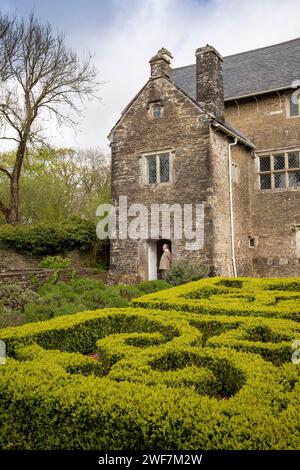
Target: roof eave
x,y
233,134
265,92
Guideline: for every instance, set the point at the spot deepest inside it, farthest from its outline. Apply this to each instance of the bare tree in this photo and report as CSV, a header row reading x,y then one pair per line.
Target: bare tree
x,y
8,45
41,78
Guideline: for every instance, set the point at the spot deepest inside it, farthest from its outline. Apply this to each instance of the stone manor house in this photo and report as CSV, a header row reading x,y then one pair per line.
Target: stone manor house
x,y
224,132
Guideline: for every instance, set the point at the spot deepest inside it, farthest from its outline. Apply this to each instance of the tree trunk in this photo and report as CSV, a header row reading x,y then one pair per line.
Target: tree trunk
x,y
13,212
5,212
14,201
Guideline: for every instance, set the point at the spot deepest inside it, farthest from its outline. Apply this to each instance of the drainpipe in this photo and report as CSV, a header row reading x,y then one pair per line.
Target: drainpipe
x,y
232,238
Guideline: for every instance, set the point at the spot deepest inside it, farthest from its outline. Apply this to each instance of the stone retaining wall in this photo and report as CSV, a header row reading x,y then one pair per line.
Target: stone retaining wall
x,y
33,278
10,260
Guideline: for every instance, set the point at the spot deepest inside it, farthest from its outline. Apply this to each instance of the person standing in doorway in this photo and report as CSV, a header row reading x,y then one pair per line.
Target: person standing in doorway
x,y
165,260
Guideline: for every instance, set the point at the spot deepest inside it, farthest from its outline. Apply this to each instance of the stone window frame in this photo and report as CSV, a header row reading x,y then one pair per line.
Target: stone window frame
x,y
152,106
288,107
157,154
272,172
252,242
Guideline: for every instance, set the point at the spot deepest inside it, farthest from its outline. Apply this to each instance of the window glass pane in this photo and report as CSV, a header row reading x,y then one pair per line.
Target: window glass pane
x,y
265,163
164,168
294,107
265,181
156,110
279,179
251,242
294,160
294,179
278,162
152,170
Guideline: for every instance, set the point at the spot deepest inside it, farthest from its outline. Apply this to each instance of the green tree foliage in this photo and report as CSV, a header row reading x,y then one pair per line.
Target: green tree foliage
x,y
59,183
46,239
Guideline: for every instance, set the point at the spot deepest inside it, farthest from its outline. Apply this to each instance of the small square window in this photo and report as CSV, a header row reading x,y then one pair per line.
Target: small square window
x,y
294,105
279,180
294,179
294,161
252,242
156,110
279,162
265,163
265,182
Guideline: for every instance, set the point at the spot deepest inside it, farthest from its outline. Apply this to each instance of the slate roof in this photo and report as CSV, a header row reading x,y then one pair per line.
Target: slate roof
x,y
252,72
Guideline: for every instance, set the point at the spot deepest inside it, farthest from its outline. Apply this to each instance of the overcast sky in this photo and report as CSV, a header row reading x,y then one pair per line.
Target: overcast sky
x,y
124,34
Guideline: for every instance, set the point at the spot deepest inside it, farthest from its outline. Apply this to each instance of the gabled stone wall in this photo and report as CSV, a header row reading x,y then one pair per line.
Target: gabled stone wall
x,y
183,130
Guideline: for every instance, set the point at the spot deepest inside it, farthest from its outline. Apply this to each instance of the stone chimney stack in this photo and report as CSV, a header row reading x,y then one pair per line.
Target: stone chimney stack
x,y
161,64
209,81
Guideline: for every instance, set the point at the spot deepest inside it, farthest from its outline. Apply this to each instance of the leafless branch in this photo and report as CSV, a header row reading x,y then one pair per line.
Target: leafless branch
x,y
39,73
5,171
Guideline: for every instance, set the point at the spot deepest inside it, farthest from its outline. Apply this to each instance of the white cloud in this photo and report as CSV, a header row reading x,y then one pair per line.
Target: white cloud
x,y
133,30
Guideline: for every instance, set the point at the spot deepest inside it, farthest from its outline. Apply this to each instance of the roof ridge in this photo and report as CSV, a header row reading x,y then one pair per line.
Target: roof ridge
x,y
183,67
264,47
244,52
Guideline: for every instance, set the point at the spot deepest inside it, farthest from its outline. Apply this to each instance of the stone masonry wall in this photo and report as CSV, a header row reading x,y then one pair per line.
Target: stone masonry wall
x,y
220,203
265,121
10,260
241,160
183,129
275,213
33,278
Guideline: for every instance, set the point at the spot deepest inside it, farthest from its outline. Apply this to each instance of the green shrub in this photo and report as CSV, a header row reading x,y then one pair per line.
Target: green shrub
x,y
14,296
63,298
10,317
56,298
45,239
286,285
237,283
58,264
182,272
147,287
128,292
55,262
249,296
101,267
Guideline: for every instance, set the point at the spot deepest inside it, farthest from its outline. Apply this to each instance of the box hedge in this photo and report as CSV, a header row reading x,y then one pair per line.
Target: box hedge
x,y
164,380
275,298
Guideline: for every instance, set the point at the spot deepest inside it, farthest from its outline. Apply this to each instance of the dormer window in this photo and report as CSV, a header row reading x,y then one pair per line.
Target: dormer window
x,y
156,110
